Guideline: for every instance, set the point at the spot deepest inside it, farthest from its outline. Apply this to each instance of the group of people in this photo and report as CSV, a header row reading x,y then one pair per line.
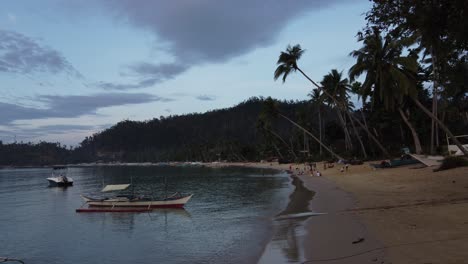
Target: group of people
x,y
311,169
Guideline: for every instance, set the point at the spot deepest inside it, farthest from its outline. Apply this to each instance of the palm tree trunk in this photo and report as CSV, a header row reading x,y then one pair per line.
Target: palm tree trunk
x,y
282,140
434,127
367,129
311,135
442,125
357,136
278,151
320,128
384,151
417,143
348,144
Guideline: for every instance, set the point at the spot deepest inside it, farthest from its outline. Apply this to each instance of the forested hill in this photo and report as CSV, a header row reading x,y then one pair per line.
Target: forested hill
x,y
228,134
253,130
243,132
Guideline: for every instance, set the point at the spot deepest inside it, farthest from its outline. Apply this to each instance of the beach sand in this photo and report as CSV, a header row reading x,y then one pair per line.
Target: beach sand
x,y
399,215
420,215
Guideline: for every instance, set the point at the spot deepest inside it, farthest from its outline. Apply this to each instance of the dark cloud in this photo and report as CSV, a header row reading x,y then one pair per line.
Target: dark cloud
x,y
149,73
206,31
120,86
73,105
212,30
205,98
21,54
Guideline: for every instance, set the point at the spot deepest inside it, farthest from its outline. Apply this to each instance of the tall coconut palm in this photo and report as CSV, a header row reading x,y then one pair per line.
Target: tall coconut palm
x,y
338,87
316,98
390,75
287,63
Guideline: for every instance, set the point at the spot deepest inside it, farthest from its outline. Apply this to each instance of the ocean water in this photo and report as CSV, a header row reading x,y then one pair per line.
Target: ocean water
x,y
228,220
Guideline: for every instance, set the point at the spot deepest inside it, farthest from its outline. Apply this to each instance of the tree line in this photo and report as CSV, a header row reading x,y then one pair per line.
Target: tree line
x,y
410,75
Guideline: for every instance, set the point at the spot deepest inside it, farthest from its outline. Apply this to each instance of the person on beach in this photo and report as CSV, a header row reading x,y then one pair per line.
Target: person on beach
x,y
346,166
318,174
342,169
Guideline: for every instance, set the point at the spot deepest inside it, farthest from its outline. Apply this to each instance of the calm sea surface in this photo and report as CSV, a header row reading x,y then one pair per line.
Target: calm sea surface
x,y
228,220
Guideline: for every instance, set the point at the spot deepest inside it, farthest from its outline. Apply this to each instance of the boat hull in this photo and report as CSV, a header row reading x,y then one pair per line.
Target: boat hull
x,y
118,202
53,183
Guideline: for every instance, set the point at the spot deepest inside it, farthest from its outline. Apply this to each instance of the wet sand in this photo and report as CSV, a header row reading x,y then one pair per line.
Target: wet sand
x,y
321,237
404,215
338,236
286,245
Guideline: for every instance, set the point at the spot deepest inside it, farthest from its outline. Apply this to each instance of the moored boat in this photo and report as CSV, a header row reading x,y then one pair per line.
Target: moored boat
x,y
131,203
175,201
59,178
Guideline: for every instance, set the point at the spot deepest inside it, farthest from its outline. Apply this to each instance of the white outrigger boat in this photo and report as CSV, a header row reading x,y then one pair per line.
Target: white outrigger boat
x,y
59,178
131,203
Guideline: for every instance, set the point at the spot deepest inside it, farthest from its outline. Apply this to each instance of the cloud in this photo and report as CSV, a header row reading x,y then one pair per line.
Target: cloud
x,y
212,30
21,54
72,106
149,73
12,18
71,133
206,98
206,31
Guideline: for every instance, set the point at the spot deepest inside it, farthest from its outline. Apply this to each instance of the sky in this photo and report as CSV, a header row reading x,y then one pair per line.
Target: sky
x,y
70,68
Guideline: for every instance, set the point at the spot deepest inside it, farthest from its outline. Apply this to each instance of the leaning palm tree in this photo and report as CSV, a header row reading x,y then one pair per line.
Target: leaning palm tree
x,y
390,75
264,123
287,63
271,107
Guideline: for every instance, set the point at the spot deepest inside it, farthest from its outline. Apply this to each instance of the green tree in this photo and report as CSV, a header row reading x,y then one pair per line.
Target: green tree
x,y
287,63
440,29
389,75
334,83
271,106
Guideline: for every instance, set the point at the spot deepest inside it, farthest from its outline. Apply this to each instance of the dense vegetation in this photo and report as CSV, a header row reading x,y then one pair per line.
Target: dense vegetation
x,y
413,63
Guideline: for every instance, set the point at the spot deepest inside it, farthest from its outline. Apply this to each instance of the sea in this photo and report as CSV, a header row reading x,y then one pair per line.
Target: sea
x,y
228,220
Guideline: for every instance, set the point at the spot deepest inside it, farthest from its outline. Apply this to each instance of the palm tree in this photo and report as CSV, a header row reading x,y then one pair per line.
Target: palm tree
x,y
264,123
316,98
334,85
271,107
389,75
339,88
287,63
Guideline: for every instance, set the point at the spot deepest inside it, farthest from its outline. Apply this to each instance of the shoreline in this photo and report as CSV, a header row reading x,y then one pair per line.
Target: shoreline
x,y
320,237
417,215
407,214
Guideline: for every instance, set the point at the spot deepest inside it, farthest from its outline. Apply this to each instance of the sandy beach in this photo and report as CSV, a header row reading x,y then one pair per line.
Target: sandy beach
x,y
399,215
421,216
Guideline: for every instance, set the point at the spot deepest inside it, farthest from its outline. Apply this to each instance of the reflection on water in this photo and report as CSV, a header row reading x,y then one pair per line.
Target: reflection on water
x,y
227,220
284,246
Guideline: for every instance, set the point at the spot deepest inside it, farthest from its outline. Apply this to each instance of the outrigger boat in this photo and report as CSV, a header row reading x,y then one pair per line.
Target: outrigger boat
x,y
131,203
59,178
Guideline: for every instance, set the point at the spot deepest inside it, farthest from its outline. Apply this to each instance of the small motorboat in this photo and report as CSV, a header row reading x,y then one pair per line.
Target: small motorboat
x,y
59,178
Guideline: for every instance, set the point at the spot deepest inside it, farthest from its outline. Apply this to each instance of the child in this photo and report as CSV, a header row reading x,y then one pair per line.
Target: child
x,y
342,169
